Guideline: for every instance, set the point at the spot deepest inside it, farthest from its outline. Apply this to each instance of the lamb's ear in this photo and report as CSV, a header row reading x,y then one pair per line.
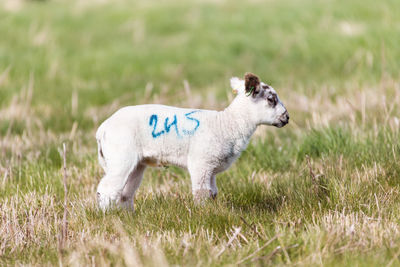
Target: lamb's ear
x,y
252,83
237,85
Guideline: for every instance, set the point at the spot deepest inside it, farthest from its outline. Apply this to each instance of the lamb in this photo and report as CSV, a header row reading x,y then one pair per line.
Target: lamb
x,y
204,142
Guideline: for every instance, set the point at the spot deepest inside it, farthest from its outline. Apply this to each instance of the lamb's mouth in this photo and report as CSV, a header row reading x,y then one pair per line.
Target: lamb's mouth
x,y
281,123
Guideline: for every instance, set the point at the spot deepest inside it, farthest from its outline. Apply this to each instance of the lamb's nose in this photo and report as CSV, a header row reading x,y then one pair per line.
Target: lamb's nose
x,y
285,116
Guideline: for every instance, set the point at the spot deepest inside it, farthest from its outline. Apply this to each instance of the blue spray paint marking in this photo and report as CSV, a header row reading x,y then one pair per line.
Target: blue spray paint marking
x,y
155,119
167,126
191,132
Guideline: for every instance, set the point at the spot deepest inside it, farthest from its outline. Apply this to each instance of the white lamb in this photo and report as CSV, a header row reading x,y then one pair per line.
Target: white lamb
x,y
205,142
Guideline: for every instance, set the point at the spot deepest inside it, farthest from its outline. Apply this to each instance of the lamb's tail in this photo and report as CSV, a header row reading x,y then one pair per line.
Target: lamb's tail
x,y
100,136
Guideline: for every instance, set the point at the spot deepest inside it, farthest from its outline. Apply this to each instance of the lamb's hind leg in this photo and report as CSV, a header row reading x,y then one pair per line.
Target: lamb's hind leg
x,y
133,183
120,160
111,186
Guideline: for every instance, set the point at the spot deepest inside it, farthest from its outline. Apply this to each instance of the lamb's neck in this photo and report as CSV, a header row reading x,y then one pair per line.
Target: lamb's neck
x,y
236,121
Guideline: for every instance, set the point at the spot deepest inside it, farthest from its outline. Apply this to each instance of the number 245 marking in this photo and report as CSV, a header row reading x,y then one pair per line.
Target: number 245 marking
x,y
167,126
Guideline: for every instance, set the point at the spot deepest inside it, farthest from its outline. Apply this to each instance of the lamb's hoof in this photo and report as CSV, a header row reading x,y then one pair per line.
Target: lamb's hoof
x,y
104,201
201,195
126,203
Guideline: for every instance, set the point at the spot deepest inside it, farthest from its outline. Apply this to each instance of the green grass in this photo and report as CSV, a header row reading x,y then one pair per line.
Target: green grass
x,y
324,190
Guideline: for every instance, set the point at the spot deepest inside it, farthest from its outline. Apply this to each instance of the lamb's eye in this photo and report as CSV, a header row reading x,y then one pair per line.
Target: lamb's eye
x,y
271,100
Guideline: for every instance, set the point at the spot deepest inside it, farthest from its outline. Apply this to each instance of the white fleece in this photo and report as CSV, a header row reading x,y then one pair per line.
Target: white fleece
x,y
205,142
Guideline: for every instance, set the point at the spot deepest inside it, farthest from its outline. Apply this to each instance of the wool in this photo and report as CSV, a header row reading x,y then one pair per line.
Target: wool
x,y
204,142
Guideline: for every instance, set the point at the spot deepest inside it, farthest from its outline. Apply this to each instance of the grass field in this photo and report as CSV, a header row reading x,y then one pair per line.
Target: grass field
x,y
324,190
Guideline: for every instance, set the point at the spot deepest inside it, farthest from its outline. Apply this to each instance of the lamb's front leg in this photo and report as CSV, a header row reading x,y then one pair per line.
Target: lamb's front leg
x,y
214,188
201,183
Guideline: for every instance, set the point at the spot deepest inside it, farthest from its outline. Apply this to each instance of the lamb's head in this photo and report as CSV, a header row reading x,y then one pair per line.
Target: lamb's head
x,y
261,100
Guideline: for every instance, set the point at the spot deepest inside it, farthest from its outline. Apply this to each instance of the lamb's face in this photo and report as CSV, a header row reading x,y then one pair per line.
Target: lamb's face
x,y
268,107
262,100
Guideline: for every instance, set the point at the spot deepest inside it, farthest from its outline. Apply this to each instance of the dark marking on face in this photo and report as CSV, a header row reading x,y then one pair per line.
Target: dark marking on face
x,y
266,86
252,83
272,99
